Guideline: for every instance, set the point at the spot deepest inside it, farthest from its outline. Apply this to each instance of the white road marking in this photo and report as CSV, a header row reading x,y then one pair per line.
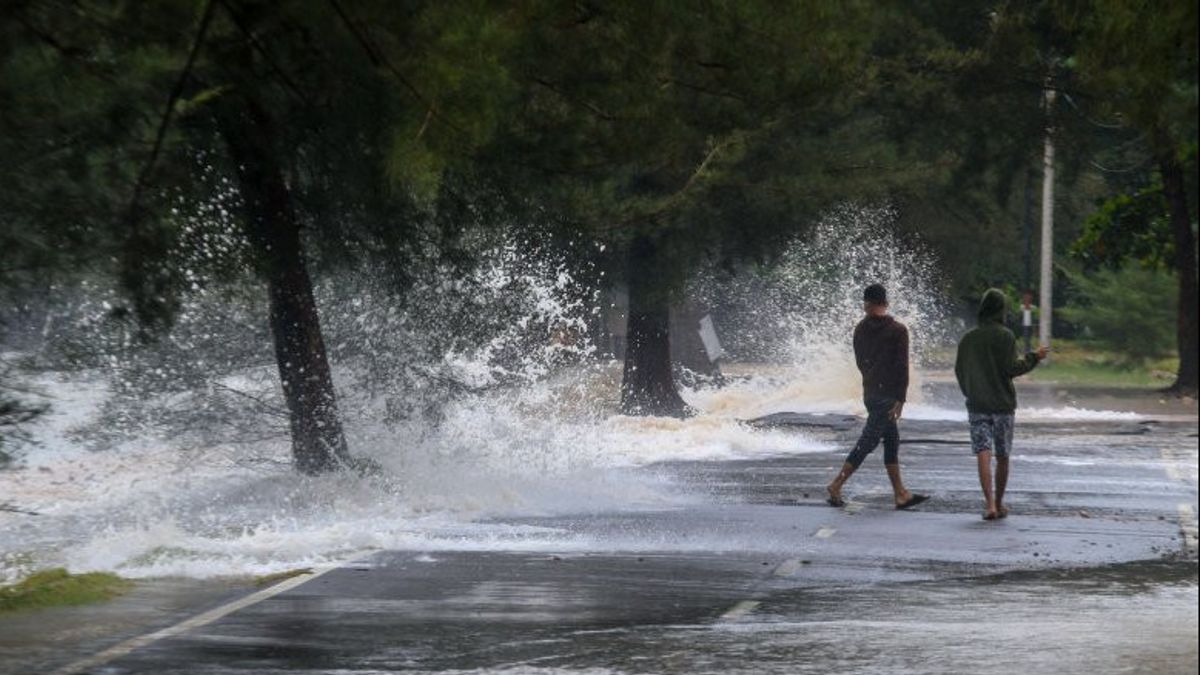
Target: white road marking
x,y
739,610
1187,515
787,568
119,650
824,533
1179,463
742,608
854,507
1171,457
1187,523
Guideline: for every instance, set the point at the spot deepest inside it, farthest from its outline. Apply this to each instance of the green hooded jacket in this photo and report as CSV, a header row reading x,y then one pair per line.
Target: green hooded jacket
x,y
988,360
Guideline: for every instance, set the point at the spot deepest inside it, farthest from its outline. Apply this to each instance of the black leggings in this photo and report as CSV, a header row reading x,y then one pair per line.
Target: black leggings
x,y
880,425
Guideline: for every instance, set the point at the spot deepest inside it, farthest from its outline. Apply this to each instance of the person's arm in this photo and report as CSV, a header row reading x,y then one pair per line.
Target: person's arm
x,y
959,368
1021,364
902,364
859,359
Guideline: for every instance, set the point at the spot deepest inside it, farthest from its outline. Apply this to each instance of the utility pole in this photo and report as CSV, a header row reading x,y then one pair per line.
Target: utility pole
x,y
1046,299
1027,290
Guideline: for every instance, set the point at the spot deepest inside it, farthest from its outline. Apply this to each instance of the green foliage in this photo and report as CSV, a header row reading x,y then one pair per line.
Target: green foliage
x,y
373,103
1127,227
1131,311
692,124
1139,60
958,96
717,128
57,587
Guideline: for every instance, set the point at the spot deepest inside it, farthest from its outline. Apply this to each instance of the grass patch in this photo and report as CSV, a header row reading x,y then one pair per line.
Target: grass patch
x,y
268,579
1081,364
57,587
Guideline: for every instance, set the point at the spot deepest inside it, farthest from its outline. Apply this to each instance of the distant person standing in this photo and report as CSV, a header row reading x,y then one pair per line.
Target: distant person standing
x,y
881,353
985,367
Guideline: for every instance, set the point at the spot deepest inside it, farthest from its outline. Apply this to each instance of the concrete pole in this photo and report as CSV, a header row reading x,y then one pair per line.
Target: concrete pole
x,y
1046,299
1027,289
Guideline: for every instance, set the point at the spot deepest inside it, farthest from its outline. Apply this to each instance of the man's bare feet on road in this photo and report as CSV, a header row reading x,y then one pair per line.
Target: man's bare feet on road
x,y
911,500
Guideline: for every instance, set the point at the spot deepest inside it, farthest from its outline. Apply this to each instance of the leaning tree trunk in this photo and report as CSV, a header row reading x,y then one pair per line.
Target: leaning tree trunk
x,y
273,230
1185,266
648,386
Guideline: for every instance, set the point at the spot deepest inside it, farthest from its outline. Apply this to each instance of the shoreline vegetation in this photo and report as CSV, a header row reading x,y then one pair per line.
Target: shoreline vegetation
x,y
57,587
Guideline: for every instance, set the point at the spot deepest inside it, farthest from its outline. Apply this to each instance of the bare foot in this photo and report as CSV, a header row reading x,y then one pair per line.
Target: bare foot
x,y
991,514
835,496
1001,512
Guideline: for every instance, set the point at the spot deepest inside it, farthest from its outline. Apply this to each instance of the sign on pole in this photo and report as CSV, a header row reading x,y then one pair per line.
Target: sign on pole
x,y
708,335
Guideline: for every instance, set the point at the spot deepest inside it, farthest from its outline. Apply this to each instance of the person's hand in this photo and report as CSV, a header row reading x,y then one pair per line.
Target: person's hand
x,y
1042,352
897,409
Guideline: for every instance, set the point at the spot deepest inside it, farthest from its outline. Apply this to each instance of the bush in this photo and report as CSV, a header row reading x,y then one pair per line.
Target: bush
x,y
57,587
1131,311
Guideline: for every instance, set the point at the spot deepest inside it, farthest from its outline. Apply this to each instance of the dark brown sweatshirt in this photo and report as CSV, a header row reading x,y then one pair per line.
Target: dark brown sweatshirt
x,y
881,352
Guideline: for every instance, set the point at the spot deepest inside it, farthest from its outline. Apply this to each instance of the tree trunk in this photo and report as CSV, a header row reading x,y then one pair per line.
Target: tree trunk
x,y
318,443
1185,267
648,385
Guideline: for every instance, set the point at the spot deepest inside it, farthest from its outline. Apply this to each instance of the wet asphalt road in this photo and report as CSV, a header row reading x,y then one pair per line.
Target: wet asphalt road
x,y
1094,572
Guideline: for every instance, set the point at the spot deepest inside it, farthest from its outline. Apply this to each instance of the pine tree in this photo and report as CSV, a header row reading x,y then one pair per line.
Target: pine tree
x,y
659,127
335,123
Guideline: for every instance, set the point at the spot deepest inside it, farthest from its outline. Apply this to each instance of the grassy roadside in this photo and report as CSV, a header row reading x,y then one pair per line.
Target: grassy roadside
x,y
57,587
271,579
1079,364
1074,363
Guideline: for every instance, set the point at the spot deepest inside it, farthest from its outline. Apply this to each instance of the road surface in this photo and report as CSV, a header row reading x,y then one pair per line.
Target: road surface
x,y
1094,572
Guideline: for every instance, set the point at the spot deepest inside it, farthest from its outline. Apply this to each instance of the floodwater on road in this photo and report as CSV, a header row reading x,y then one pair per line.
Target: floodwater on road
x,y
698,546
1137,618
1131,619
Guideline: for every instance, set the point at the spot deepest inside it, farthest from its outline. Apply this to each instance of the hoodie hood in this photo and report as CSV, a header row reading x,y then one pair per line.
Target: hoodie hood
x,y
993,307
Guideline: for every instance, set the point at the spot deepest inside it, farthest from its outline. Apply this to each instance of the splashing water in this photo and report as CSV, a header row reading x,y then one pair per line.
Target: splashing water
x,y
797,318
480,398
790,327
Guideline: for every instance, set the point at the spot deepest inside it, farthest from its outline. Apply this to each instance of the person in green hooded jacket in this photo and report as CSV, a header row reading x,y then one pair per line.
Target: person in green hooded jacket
x,y
985,367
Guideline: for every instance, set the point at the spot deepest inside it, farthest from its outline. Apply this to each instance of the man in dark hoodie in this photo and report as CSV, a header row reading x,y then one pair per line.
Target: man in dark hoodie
x,y
986,365
881,353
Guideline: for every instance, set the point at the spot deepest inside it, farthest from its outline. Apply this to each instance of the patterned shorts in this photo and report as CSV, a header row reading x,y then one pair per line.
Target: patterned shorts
x,y
991,432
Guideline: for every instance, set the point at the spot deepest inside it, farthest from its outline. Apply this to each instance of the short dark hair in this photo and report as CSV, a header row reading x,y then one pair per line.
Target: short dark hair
x,y
875,294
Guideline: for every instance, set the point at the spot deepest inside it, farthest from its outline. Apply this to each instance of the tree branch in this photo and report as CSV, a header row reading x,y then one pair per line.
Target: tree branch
x,y
379,61
257,46
160,136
